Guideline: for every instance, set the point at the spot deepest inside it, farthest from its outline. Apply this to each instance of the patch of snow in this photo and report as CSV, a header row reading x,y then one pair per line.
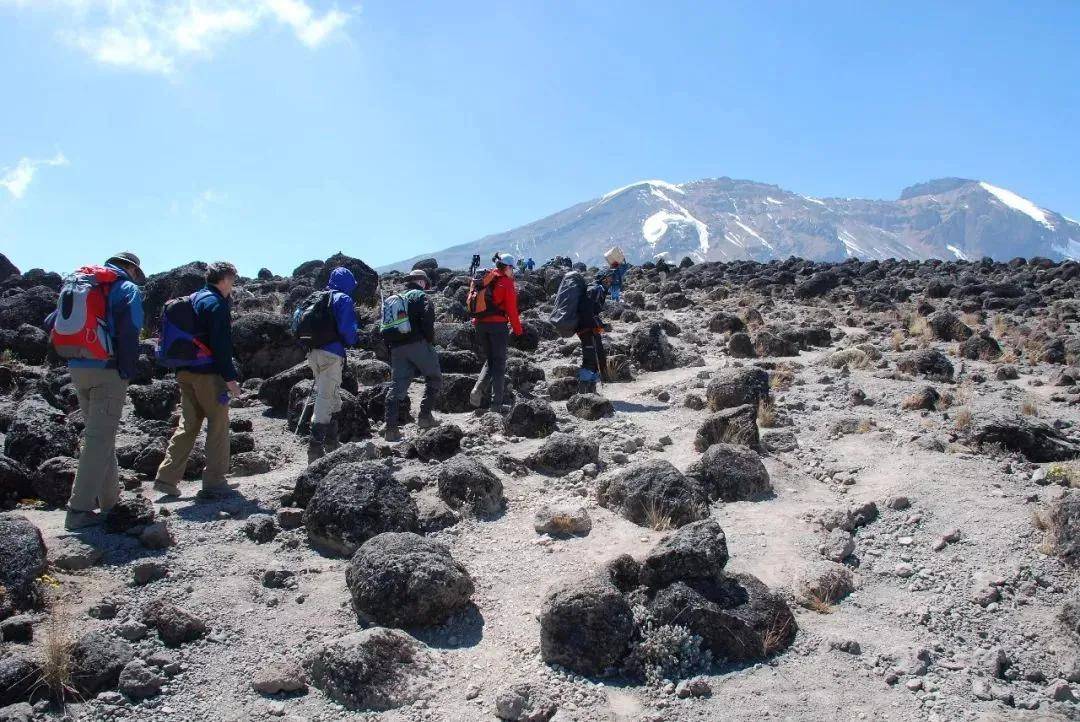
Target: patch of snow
x,y
651,183
656,225
851,246
753,233
814,200
732,238
957,252
770,199
1018,203
1072,220
1070,250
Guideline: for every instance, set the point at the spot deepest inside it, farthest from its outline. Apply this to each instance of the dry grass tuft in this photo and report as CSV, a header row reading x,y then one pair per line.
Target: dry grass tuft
x,y
781,377
1029,406
776,636
817,603
657,518
766,413
56,664
1065,474
896,340
963,418
864,426
919,328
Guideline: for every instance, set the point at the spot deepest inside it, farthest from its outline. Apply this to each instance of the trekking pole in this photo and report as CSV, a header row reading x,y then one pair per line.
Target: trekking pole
x,y
303,412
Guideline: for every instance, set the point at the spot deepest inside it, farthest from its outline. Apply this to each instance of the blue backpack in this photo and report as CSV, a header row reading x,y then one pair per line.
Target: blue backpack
x,y
179,345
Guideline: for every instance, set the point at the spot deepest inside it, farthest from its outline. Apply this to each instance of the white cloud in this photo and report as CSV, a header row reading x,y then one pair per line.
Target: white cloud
x,y
153,36
17,178
200,207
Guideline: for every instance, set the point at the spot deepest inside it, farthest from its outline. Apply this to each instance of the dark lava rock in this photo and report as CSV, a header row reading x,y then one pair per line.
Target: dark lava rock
x,y
654,494
97,659
466,483
533,419
374,669
735,387
591,407
696,551
355,502
54,478
439,443
585,625
731,473
156,400
406,580
562,453
22,560
733,426
174,624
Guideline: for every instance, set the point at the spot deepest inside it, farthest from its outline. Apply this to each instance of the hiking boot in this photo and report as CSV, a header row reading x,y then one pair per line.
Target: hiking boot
x,y
315,452
333,434
164,487
426,421
217,491
316,442
476,397
391,434
81,519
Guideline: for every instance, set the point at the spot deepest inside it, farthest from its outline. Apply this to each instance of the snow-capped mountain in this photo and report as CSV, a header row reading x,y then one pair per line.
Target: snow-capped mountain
x,y
724,219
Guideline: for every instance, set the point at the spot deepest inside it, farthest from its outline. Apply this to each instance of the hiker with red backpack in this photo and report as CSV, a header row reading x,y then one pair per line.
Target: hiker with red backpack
x,y
408,328
96,327
196,341
325,323
492,303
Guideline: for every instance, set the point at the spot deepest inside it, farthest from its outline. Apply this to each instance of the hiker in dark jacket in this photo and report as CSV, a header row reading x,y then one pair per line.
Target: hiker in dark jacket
x,y
412,354
590,327
328,361
205,391
101,387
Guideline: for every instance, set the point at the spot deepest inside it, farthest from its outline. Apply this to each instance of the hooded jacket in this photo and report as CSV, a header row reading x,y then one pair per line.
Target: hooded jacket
x,y
125,318
341,285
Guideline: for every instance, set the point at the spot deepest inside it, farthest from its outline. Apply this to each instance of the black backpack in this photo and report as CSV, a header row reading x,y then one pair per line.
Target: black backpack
x,y
313,322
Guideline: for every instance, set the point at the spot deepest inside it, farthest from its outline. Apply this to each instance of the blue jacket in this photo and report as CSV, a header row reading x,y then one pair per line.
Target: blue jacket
x,y
125,319
213,318
618,273
342,283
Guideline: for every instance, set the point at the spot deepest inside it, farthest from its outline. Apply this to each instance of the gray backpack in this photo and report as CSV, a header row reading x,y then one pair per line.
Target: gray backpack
x,y
564,317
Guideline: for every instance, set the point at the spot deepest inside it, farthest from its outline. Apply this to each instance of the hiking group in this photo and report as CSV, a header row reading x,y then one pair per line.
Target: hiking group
x,y
98,323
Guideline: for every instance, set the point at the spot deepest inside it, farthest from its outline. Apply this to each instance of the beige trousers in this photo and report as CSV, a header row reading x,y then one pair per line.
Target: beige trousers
x,y
327,368
200,398
101,395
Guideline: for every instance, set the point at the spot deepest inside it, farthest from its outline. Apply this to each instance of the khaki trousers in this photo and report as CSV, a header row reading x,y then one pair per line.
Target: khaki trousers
x,y
200,396
326,368
101,395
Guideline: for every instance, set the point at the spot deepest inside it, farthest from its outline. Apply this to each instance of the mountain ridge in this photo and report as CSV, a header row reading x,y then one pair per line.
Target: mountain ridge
x,y
718,219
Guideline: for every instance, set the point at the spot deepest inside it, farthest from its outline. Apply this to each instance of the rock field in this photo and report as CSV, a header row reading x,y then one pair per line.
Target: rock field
x,y
810,491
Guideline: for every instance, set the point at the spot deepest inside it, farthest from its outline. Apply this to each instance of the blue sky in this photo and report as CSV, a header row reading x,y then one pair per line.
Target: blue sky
x,y
270,132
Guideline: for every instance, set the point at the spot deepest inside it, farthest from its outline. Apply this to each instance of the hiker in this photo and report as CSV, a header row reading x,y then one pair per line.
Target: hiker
x,y
474,265
618,266
493,304
206,384
408,329
530,265
96,327
330,324
590,327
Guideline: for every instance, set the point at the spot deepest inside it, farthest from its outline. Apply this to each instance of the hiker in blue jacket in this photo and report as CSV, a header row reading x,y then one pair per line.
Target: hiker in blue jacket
x,y
101,386
205,390
618,273
590,327
327,362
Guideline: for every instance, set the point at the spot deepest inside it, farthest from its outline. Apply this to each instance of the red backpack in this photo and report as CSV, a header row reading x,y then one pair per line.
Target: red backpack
x,y
481,299
81,324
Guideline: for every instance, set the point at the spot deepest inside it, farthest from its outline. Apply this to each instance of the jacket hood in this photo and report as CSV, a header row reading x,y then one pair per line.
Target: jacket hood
x,y
342,279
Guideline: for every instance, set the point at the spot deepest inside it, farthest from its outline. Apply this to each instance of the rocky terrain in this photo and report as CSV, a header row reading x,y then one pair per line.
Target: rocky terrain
x,y
811,491
725,219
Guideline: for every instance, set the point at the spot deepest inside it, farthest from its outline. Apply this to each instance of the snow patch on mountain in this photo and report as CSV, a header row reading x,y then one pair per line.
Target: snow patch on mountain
x,y
1018,203
651,183
957,252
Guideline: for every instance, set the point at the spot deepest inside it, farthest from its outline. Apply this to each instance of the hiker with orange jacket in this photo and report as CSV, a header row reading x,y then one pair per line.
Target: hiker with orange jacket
x,y
493,305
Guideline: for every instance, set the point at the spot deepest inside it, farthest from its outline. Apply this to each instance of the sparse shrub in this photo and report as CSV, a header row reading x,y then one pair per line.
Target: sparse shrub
x,y
781,378
1029,406
963,418
854,358
1008,356
896,340
56,665
919,328
776,636
1064,474
665,652
766,413
864,426
6,356
657,517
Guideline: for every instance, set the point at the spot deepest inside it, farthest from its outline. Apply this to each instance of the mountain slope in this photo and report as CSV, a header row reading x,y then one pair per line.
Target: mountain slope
x,y
722,219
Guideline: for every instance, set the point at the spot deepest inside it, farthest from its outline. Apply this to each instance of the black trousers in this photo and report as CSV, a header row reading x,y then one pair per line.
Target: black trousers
x,y
593,355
